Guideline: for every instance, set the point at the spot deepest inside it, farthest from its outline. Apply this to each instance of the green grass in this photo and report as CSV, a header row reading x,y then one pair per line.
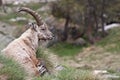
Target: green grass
x,y
11,69
65,49
111,43
70,74
41,54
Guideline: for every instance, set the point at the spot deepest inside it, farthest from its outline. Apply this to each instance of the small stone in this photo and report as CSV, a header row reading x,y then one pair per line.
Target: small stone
x,y
59,68
96,72
110,76
18,19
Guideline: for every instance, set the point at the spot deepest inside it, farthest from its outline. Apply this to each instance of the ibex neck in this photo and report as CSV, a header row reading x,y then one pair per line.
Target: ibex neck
x,y
30,39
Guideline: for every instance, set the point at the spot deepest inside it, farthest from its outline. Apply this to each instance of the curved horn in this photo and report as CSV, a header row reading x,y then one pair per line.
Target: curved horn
x,y
33,13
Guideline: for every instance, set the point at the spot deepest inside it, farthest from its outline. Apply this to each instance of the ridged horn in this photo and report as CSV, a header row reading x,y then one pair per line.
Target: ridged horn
x,y
33,13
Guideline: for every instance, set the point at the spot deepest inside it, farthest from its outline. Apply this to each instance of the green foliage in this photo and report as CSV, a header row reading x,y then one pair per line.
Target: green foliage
x,y
70,74
12,69
66,49
63,8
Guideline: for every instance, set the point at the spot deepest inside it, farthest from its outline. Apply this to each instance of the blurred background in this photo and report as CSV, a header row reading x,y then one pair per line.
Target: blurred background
x,y
87,33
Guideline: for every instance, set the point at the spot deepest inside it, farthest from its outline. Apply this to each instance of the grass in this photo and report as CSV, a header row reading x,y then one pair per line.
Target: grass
x,y
12,69
65,49
111,43
70,74
41,54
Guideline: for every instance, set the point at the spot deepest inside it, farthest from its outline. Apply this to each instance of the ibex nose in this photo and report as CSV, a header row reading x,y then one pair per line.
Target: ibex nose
x,y
51,36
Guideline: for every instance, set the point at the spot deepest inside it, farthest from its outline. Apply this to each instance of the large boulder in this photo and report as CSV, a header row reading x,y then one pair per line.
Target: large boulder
x,y
6,32
5,40
79,42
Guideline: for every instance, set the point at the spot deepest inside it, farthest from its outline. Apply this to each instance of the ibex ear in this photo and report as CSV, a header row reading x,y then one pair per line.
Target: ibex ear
x,y
33,26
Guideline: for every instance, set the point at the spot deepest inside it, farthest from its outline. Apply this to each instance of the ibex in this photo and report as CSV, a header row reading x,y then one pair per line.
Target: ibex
x,y
23,49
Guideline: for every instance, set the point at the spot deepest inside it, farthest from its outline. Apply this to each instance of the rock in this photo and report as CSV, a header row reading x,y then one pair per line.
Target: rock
x,y
6,29
96,72
13,20
47,0
4,40
50,20
111,26
59,68
79,41
105,75
44,8
16,2
19,2
18,19
110,76
8,9
6,32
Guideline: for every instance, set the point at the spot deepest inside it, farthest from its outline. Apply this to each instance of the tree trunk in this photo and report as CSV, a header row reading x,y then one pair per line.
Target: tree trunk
x,y
2,6
65,33
89,22
95,19
1,3
102,17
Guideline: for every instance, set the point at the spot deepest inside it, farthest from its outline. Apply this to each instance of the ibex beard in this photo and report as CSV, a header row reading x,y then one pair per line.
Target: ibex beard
x,y
23,49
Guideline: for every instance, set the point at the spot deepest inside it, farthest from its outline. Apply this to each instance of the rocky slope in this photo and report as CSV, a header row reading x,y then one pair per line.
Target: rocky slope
x,y
6,32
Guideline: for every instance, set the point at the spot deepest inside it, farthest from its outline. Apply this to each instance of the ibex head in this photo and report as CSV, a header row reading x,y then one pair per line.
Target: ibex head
x,y
41,28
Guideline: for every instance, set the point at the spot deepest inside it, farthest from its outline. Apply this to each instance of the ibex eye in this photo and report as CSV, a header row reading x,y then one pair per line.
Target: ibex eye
x,y
43,29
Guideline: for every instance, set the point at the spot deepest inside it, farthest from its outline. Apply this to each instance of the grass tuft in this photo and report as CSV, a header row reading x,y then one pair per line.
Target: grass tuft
x,y
42,55
12,69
